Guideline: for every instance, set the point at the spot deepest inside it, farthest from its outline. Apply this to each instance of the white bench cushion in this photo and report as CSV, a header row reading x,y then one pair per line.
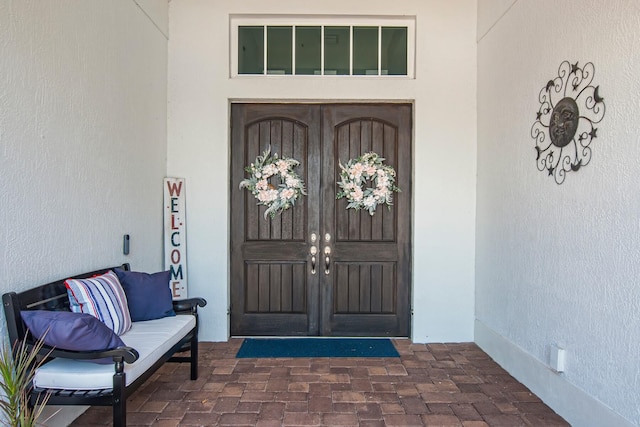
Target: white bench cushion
x,y
151,338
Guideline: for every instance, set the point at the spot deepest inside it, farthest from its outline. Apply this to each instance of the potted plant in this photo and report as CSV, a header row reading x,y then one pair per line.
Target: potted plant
x,y
17,369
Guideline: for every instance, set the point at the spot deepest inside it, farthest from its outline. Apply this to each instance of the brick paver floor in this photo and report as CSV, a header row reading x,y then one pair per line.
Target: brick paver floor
x,y
429,385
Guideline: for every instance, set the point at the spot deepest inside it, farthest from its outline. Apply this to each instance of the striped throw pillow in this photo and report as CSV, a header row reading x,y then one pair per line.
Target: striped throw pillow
x,y
103,298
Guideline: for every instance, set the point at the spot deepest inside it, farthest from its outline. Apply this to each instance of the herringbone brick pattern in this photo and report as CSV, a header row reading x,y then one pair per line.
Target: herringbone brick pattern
x,y
429,385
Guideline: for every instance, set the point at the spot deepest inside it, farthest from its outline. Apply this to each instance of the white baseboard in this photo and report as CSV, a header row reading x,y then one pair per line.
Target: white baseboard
x,y
573,404
60,416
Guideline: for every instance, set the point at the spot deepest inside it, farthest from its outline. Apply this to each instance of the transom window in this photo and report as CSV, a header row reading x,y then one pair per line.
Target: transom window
x,y
308,46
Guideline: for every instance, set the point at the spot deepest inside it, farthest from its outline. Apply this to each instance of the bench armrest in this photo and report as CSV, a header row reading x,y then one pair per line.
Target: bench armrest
x,y
120,354
189,305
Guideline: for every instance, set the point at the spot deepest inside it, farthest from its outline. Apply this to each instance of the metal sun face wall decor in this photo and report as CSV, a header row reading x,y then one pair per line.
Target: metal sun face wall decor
x,y
570,107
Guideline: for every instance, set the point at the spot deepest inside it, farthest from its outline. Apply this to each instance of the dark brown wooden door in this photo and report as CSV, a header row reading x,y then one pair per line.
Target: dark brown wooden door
x,y
361,287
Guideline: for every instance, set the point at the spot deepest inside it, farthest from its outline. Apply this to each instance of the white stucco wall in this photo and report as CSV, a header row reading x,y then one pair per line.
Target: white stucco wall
x,y
158,13
444,92
559,264
490,12
82,139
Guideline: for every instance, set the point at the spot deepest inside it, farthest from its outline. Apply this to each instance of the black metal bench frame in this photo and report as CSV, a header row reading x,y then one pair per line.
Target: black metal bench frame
x,y
53,296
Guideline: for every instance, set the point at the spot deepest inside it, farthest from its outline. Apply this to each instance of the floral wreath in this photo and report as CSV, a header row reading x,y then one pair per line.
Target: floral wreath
x,y
355,175
276,199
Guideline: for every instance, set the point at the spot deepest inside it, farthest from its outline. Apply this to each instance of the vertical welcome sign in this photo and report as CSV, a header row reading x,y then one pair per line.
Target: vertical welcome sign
x,y
175,237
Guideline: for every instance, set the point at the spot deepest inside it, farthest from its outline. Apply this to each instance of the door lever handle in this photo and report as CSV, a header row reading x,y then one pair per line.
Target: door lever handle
x,y
327,252
313,251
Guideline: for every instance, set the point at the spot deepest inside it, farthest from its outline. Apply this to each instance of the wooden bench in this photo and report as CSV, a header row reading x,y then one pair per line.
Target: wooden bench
x,y
53,297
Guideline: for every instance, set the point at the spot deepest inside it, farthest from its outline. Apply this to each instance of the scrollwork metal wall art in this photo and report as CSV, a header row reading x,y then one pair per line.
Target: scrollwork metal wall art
x,y
570,107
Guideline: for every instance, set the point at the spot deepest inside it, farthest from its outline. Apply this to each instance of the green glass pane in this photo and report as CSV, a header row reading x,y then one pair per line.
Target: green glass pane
x,y
308,50
336,50
279,50
250,50
365,50
394,51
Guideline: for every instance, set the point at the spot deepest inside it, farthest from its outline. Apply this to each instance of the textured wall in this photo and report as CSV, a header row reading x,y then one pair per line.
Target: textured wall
x,y
444,144
559,264
82,138
490,12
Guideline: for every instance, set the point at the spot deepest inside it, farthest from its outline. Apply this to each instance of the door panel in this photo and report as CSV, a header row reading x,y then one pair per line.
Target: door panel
x,y
367,293
271,292
353,139
364,288
287,138
272,288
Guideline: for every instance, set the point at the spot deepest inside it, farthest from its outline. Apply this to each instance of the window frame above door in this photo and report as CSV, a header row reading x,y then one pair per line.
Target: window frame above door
x,y
241,20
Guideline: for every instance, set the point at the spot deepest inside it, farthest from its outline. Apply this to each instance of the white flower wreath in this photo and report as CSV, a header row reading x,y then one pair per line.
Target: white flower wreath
x,y
354,177
276,198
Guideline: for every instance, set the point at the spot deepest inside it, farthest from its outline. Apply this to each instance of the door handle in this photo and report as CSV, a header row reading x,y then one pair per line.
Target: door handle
x,y
327,252
313,251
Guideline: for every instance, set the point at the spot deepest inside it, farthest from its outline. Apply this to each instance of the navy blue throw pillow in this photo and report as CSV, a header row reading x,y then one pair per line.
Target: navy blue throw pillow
x,y
148,295
71,331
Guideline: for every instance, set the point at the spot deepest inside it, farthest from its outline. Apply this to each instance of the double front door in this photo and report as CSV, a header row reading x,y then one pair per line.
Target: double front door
x,y
320,268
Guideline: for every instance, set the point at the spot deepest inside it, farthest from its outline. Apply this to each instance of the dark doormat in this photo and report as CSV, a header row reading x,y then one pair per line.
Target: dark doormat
x,y
316,347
